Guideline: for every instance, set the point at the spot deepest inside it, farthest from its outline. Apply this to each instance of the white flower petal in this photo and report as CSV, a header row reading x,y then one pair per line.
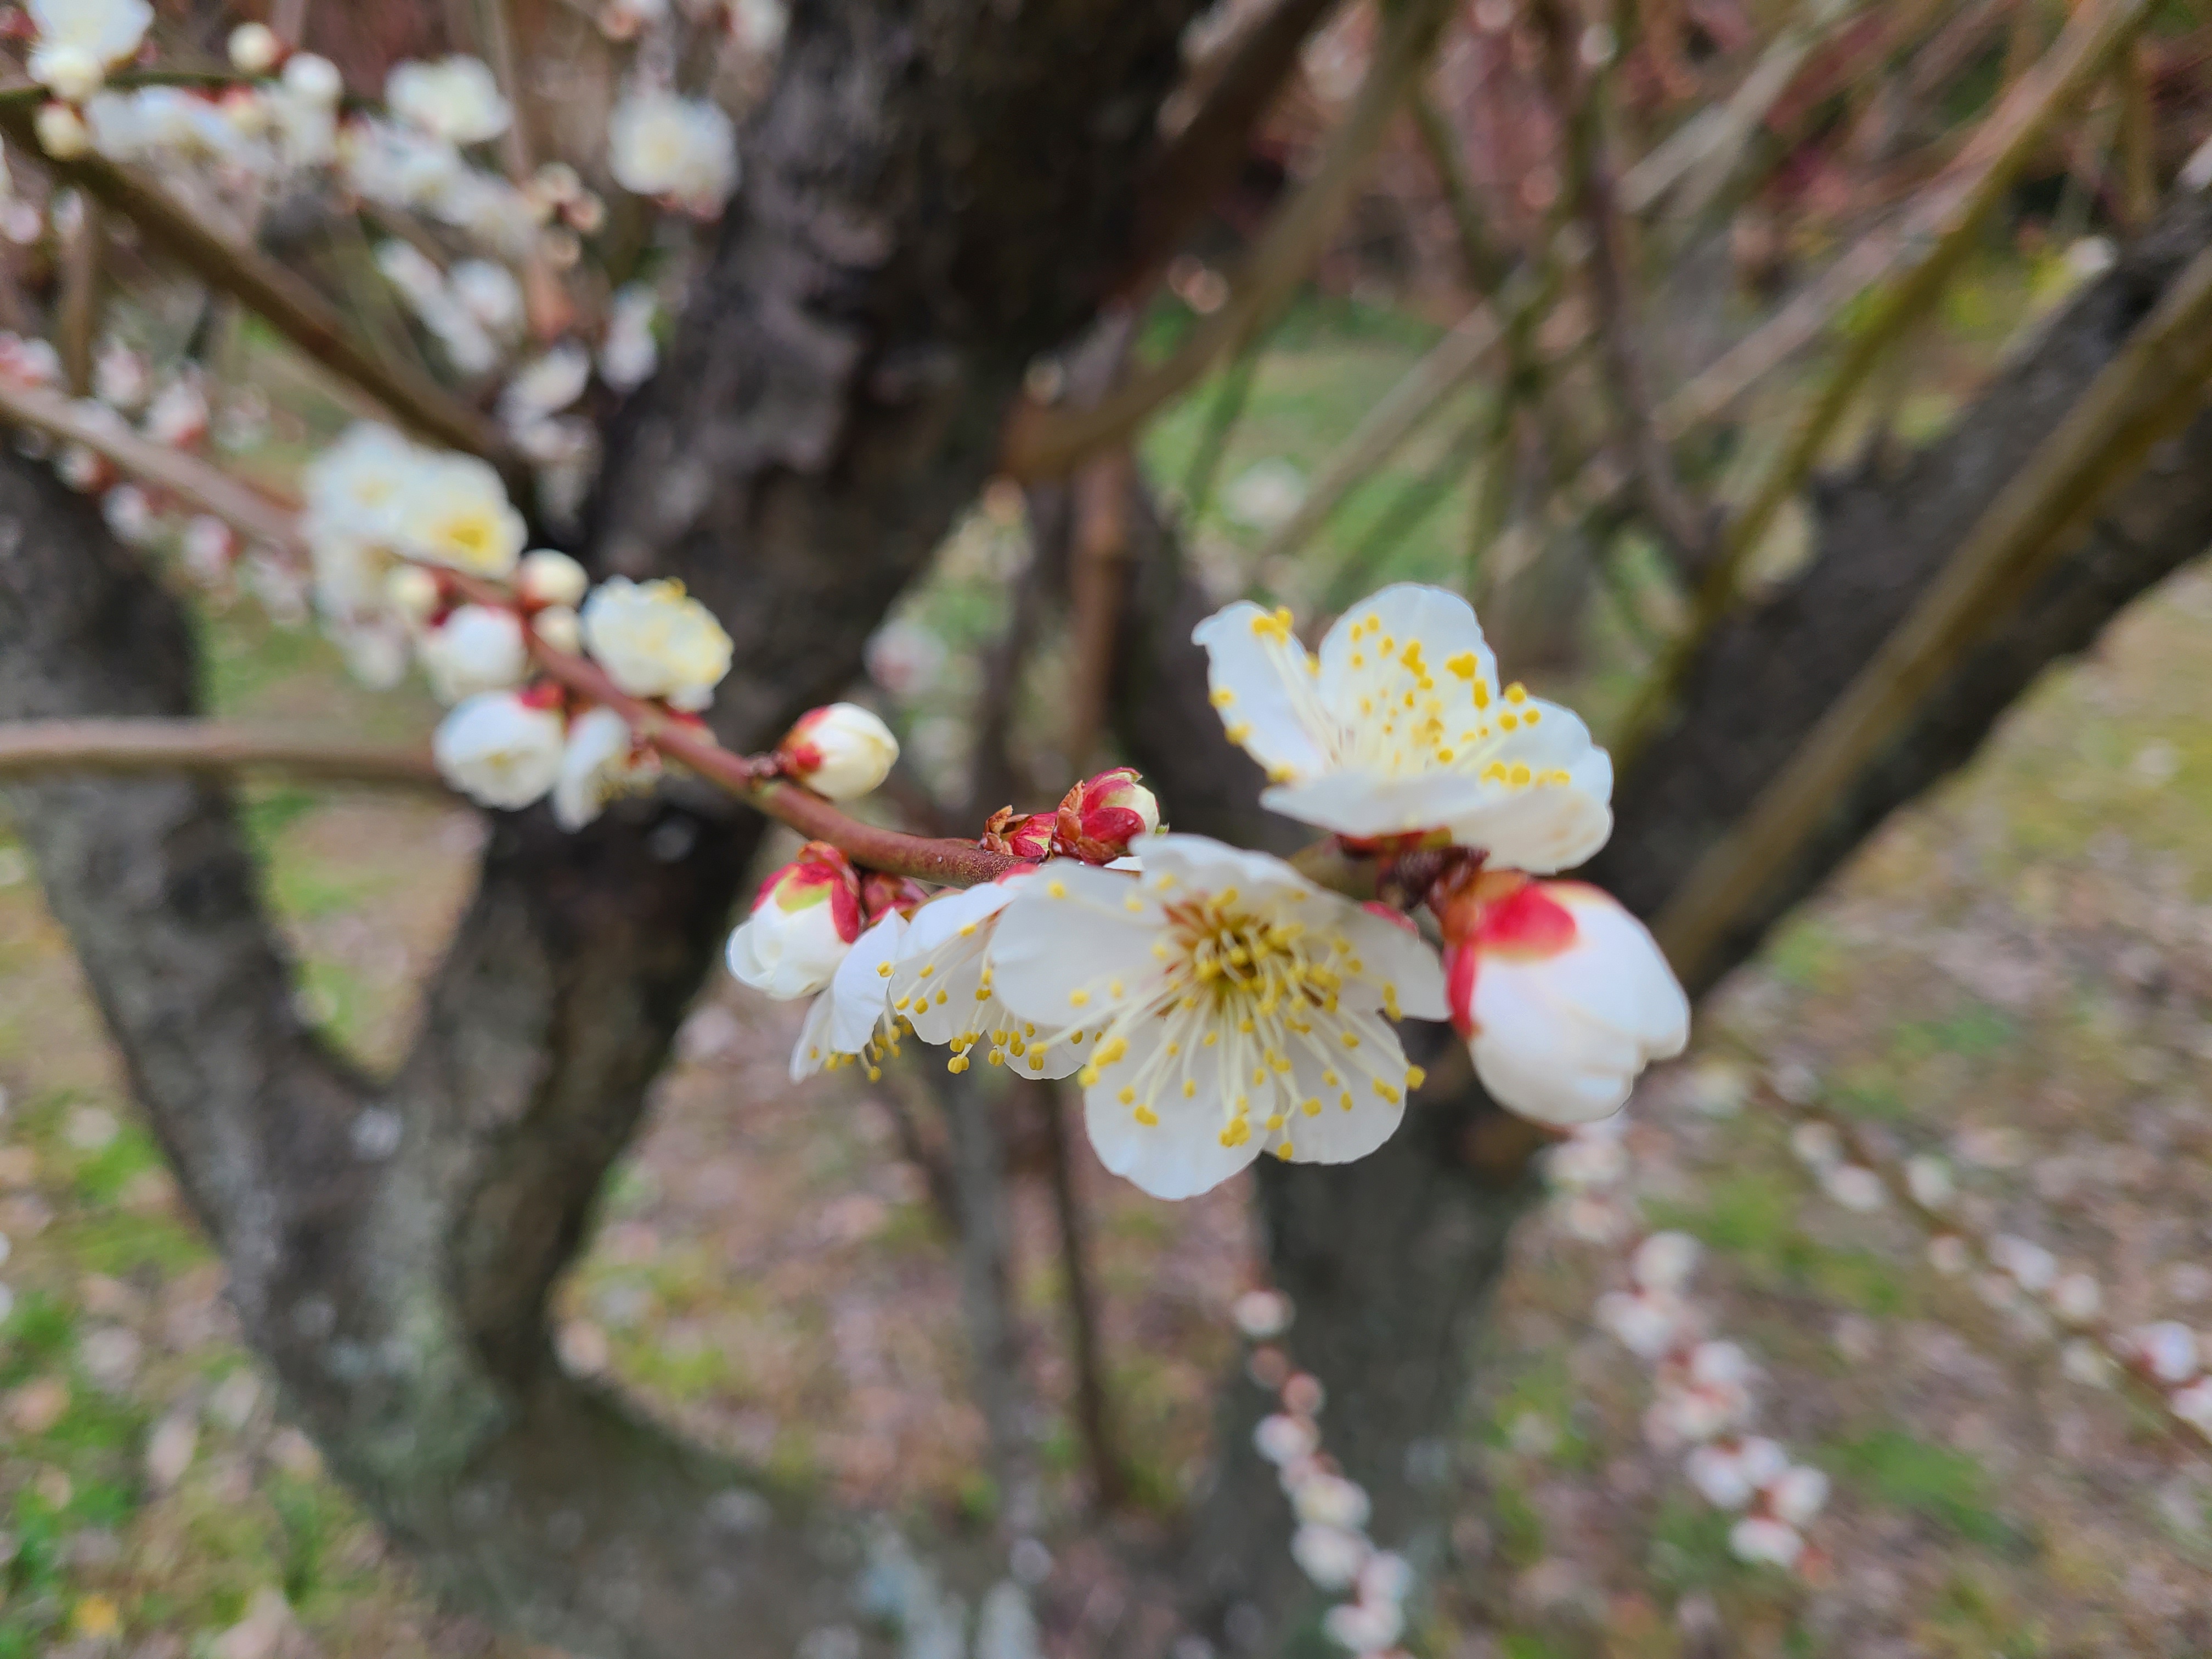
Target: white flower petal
x,y
1404,614
1263,683
859,991
812,1050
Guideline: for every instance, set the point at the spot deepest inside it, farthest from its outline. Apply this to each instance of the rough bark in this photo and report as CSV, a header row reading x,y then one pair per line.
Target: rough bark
x,y
1769,673
936,192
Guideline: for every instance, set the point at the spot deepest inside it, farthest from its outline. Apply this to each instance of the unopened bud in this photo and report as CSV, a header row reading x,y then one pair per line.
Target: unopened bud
x,y
477,647
315,79
548,577
413,591
254,48
1022,836
557,626
841,751
1101,817
804,920
882,895
62,132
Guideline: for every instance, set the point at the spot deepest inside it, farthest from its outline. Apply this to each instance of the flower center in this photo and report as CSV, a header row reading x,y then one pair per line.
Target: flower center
x,y
1243,964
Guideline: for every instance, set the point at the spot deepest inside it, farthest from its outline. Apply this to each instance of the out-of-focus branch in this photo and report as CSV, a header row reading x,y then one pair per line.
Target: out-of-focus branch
x,y
1488,265
1580,100
295,310
1446,367
1193,169
2150,391
1043,442
1099,549
207,487
1701,154
77,318
1094,1412
1938,234
31,747
2138,159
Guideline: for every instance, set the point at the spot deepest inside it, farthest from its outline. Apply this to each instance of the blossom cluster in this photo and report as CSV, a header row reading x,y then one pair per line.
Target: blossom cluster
x,y
1216,1004
1331,1544
1703,1408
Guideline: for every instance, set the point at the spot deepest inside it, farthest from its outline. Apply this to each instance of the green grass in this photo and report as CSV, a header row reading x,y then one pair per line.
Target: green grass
x,y
1947,1487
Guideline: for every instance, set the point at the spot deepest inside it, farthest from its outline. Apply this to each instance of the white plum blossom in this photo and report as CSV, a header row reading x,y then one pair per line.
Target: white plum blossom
x,y
804,921
559,627
603,760
840,751
944,986
1564,998
315,79
1238,1007
455,512
852,1018
477,647
1763,1541
1365,1627
655,641
500,749
681,149
61,131
1664,1261
455,99
548,576
2170,1350
488,291
1399,725
76,41
545,385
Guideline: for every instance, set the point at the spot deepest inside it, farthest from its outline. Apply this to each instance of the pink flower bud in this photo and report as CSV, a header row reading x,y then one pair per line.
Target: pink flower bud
x,y
804,920
1029,836
1101,816
841,751
1563,995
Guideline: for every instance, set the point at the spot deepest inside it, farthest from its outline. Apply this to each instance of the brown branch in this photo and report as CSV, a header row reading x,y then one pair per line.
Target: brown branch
x,y
2151,390
1580,101
1938,234
77,318
30,748
294,309
1201,161
1096,577
1043,442
1094,1411
206,486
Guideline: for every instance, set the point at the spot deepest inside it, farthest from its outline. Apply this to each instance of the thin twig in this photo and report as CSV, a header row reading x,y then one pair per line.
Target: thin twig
x,y
207,487
1939,233
1580,101
1097,573
1447,366
1044,442
33,748
1221,418
1488,265
2150,389
1093,1412
77,318
1193,169
264,285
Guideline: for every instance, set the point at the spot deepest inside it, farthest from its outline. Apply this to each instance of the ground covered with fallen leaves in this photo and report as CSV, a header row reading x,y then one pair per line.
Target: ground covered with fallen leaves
x,y
2017,973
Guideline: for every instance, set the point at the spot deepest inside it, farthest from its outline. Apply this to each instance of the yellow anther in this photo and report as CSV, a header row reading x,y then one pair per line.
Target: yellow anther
x,y
1221,696
1127,1097
1057,889
1078,999
1240,731
885,969
1148,1117
1311,1106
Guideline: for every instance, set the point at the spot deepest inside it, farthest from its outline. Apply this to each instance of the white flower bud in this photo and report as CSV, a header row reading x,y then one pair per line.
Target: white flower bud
x,y
1364,1627
1330,1500
72,72
1330,1556
803,924
412,591
2076,1298
1664,1261
841,751
1262,1314
62,132
1564,998
1718,1475
316,79
478,647
2169,1349
1762,1542
546,576
654,640
1855,1188
1799,1494
1929,1179
1282,1440
254,48
500,750
557,626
